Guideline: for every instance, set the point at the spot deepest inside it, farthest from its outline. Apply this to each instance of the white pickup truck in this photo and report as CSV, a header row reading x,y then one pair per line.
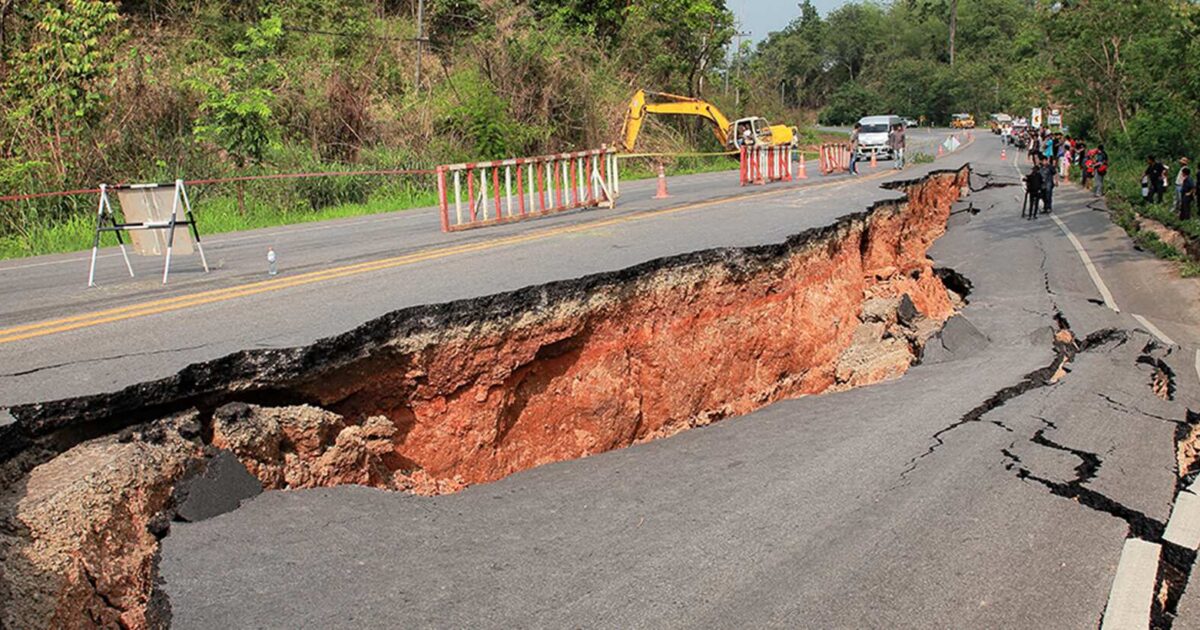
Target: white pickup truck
x,y
873,136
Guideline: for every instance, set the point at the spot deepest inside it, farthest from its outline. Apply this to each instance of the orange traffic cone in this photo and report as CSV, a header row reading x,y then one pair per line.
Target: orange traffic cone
x,y
941,151
802,174
1003,154
873,163
662,184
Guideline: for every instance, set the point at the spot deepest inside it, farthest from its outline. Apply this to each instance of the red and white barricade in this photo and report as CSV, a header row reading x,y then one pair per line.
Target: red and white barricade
x,y
834,158
761,165
486,193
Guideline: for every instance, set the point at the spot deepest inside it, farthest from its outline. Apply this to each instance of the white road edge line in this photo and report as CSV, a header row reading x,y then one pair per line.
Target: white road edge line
x,y
1091,268
1132,591
1198,364
1154,330
1183,527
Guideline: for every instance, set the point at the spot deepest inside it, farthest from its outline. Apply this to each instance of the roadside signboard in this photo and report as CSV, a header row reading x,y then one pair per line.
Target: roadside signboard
x,y
1035,117
1054,119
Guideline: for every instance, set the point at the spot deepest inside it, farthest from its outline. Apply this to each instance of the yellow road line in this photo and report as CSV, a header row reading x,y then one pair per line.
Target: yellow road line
x,y
96,318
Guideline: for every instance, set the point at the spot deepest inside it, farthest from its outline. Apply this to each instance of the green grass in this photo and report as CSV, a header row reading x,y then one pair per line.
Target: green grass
x,y
215,216
1124,214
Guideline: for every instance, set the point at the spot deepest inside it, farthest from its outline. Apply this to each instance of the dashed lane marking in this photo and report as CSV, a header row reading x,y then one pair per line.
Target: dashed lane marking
x,y
1133,587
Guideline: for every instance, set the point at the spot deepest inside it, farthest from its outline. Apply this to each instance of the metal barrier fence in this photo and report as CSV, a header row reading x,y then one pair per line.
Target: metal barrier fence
x,y
835,158
760,165
522,188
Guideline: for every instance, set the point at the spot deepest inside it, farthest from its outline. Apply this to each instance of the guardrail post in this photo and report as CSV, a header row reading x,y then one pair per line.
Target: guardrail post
x,y
616,174
496,189
508,188
520,190
442,200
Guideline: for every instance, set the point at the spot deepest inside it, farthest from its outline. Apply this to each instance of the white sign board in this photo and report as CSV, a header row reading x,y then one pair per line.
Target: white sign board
x,y
1035,118
1055,118
154,206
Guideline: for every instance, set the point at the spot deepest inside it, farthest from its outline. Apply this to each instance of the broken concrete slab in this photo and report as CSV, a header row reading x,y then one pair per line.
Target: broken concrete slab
x,y
959,338
220,488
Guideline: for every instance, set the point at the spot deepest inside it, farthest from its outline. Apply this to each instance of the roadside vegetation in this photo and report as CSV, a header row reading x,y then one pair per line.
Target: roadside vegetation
x,y
151,90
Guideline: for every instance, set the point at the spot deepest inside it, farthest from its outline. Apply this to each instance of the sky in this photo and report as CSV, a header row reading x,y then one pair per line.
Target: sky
x,y
760,17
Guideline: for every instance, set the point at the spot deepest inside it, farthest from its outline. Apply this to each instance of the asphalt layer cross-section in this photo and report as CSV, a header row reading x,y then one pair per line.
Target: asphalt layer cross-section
x,y
965,494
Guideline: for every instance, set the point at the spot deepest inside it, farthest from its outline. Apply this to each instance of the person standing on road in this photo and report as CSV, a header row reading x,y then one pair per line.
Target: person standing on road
x,y
1183,166
1152,180
1187,192
1100,162
1033,190
1047,184
854,149
1085,165
898,142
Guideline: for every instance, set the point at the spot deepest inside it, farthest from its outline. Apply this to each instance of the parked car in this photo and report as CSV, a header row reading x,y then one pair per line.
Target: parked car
x,y
998,121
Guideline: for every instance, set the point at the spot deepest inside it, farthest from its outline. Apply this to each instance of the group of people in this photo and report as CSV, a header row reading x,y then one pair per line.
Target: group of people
x,y
1154,185
896,143
1052,155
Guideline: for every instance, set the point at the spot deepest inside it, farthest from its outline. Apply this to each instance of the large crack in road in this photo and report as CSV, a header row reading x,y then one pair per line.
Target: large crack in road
x,y
431,399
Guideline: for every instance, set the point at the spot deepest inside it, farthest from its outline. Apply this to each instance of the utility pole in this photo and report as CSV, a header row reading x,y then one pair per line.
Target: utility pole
x,y
737,42
420,41
737,61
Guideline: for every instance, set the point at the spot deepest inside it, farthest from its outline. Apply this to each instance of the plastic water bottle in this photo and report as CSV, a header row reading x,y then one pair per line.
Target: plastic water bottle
x,y
271,269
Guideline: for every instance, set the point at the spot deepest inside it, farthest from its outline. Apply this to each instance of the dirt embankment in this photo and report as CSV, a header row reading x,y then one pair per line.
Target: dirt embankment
x,y
435,398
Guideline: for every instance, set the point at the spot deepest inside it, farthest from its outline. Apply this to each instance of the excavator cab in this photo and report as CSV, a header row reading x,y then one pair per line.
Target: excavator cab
x,y
758,127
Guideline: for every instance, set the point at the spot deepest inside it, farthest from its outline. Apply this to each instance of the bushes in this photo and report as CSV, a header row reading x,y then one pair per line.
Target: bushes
x,y
850,102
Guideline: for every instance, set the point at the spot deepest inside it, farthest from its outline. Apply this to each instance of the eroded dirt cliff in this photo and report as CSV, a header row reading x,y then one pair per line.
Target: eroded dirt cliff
x,y
435,398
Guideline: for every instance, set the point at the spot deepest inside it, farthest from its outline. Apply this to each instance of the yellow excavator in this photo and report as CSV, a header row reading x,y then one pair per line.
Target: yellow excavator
x,y
730,135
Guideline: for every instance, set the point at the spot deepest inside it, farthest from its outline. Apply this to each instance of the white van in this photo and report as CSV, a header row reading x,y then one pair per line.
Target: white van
x,y
873,136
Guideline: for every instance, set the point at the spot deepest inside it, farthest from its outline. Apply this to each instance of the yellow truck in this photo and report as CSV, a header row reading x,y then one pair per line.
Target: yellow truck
x,y
962,121
731,135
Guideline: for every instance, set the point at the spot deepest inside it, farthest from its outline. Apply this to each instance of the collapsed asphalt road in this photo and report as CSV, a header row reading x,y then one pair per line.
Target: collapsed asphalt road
x,y
994,485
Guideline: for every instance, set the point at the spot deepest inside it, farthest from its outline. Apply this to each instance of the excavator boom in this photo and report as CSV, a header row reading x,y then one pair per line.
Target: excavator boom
x,y
671,104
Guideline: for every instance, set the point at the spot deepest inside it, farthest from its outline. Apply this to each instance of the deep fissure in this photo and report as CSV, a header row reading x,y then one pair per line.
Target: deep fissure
x,y
434,398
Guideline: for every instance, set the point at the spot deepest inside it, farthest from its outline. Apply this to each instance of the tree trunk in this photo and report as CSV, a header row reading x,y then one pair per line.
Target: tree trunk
x,y
5,8
953,27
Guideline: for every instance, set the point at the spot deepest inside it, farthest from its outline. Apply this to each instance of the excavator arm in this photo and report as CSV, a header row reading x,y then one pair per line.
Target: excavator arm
x,y
644,103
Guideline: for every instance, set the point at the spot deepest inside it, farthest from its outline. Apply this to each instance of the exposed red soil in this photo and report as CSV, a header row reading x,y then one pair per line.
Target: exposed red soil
x,y
425,405
679,348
